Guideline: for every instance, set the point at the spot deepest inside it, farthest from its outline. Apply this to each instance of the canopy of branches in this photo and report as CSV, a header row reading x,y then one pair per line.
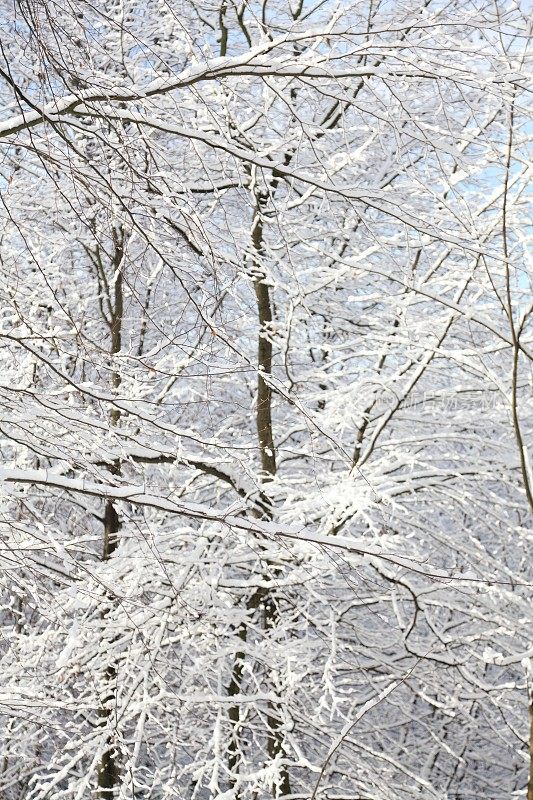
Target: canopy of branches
x,y
265,359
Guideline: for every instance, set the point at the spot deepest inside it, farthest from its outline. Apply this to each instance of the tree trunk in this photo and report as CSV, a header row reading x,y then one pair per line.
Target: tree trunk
x,y
108,771
261,598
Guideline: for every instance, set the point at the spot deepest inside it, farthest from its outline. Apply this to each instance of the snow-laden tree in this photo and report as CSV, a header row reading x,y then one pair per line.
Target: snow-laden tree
x,y
265,352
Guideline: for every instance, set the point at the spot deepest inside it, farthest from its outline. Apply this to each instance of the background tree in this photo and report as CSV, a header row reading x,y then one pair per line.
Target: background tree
x,y
265,309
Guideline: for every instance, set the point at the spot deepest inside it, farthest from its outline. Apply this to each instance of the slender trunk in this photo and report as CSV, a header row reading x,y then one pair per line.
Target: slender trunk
x,y
108,769
267,450
234,689
262,599
108,773
264,357
275,744
234,712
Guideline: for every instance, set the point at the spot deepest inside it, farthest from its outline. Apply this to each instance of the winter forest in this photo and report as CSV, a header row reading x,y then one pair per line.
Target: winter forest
x,y
266,330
